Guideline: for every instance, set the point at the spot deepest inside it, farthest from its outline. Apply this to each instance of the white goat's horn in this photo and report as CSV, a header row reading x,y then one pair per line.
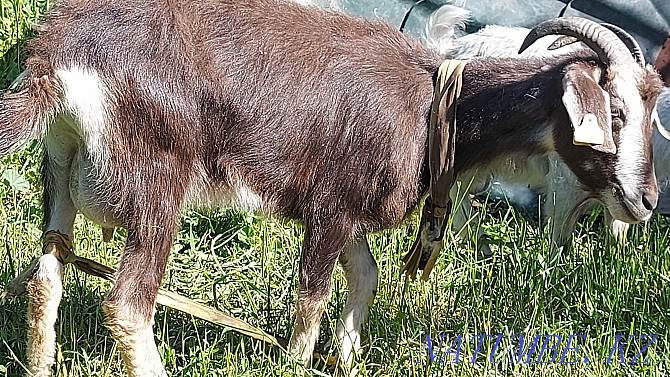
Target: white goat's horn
x,y
605,43
626,38
656,121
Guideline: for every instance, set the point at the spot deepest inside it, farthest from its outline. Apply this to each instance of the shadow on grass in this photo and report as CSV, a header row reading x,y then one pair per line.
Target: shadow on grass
x,y
82,338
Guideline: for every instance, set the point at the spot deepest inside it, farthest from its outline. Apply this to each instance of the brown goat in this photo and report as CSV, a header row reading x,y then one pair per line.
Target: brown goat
x,y
146,107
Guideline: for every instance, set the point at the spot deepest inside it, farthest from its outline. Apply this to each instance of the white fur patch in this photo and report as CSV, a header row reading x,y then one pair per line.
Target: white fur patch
x,y
60,142
619,230
332,4
631,139
137,346
244,197
491,41
306,328
87,102
202,193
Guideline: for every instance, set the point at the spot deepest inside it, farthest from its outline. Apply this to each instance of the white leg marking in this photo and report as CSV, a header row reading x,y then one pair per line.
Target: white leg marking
x,y
60,149
361,271
45,290
306,328
136,343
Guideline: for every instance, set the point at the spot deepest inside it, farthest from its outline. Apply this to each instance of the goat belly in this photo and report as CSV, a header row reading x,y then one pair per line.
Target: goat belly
x,y
91,192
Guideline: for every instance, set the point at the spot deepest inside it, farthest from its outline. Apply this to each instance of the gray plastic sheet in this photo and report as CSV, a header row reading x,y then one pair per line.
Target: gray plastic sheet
x,y
647,20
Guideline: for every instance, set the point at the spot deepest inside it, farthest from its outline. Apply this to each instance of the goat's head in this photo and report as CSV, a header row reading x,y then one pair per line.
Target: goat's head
x,y
611,107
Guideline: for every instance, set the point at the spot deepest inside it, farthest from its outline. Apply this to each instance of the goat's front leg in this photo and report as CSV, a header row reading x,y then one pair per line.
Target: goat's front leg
x,y
321,249
45,288
130,304
361,271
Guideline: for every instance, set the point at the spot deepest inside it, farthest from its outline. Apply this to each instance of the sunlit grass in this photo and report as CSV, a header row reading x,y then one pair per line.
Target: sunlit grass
x,y
246,265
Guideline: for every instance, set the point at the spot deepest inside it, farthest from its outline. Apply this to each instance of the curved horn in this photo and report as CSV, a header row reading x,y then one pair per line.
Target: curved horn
x,y
626,38
608,46
629,41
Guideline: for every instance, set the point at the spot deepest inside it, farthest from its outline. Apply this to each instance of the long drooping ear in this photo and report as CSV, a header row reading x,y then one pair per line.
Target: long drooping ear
x,y
588,107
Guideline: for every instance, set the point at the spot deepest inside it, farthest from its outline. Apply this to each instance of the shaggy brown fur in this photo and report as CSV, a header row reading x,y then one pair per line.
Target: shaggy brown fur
x,y
321,116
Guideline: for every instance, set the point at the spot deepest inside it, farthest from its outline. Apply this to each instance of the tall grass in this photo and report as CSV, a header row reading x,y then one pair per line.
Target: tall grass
x,y
246,265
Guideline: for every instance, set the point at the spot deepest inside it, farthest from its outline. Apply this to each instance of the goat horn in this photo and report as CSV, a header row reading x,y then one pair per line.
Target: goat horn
x,y
626,38
660,127
629,41
604,42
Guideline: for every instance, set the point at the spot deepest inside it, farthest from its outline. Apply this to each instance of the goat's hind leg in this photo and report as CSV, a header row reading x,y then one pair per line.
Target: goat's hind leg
x,y
45,287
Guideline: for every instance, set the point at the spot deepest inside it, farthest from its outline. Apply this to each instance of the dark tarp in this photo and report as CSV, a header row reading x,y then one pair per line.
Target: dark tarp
x,y
647,20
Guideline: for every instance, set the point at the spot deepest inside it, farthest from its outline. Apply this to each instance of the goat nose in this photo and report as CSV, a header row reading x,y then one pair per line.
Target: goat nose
x,y
650,199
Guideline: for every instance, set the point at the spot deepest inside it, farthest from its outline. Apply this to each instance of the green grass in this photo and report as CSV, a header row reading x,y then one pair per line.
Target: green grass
x,y
246,265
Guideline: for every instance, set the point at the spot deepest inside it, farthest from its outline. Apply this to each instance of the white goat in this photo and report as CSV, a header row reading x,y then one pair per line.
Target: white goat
x,y
565,199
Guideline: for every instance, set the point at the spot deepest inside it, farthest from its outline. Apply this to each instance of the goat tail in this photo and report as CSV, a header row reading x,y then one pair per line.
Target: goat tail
x,y
444,25
26,110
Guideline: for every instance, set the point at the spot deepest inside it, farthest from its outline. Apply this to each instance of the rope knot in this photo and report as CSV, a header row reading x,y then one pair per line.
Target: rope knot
x,y
59,245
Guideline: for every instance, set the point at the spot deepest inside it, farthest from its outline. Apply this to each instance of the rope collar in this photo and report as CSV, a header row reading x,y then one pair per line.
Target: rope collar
x,y
441,152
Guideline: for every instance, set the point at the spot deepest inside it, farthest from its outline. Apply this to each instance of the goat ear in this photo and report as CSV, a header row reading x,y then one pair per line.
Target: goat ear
x,y
588,107
660,127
